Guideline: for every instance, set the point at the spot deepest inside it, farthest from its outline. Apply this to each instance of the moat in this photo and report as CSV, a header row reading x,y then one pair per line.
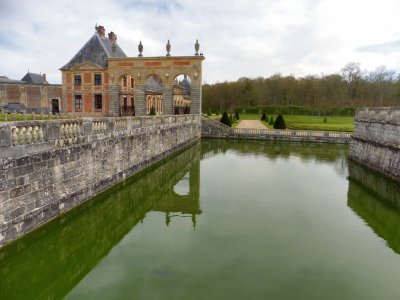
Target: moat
x,y
222,220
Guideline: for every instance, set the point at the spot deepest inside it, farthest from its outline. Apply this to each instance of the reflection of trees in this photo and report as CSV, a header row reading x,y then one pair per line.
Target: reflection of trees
x,y
332,153
376,199
50,261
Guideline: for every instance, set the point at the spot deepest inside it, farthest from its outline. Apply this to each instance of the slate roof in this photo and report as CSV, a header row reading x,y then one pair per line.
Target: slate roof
x,y
154,85
5,79
185,85
96,50
34,78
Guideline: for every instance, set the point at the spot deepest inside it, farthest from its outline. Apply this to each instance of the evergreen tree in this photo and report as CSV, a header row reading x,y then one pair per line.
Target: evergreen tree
x,y
237,115
263,117
231,118
279,122
325,120
271,121
209,113
225,120
152,111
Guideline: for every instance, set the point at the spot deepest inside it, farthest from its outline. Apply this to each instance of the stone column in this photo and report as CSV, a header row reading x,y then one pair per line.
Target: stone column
x,y
114,99
140,100
168,96
196,99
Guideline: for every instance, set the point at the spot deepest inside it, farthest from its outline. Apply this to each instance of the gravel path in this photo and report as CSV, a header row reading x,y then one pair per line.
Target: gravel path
x,y
255,124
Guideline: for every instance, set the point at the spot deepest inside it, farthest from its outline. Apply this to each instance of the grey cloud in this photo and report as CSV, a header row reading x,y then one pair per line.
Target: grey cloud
x,y
382,48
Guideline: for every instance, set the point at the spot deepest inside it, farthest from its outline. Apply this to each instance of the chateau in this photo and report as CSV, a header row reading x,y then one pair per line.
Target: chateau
x,y
101,80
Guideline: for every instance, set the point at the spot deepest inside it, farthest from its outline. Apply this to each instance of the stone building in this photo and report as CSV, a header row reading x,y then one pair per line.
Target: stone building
x,y
101,80
33,90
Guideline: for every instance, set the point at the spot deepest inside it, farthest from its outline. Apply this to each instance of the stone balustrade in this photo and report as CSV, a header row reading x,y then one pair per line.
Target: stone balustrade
x,y
384,115
21,138
215,129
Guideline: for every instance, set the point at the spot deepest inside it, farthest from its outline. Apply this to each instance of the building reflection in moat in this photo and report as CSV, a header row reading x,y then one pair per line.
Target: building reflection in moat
x,y
50,261
376,199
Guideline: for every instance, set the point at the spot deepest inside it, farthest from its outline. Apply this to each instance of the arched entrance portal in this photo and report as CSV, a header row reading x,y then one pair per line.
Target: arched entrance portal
x,y
182,94
154,98
126,96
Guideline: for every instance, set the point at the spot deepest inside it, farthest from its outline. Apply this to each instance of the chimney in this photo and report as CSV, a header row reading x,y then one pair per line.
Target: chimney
x,y
113,37
44,77
101,31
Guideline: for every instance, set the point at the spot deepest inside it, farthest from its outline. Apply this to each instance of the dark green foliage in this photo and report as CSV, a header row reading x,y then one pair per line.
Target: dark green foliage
x,y
225,120
209,113
263,117
271,121
237,116
325,120
279,122
152,111
231,118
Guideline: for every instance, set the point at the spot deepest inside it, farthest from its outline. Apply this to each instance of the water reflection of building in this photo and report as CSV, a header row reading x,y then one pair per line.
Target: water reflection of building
x,y
376,199
175,205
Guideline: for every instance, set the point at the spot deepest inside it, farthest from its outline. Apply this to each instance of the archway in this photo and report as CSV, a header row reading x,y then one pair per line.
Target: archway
x,y
126,95
154,98
182,94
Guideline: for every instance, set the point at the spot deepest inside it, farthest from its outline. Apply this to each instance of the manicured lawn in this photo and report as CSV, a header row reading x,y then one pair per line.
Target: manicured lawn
x,y
310,122
20,117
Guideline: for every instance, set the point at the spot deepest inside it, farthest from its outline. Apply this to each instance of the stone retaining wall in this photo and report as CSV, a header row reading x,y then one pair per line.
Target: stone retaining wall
x,y
48,167
376,140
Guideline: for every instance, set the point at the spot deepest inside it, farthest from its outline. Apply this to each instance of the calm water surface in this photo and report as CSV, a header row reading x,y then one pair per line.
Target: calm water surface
x,y
222,220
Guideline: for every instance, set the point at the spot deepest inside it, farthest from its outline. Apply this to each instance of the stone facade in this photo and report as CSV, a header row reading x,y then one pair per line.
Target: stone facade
x,y
376,140
37,97
48,167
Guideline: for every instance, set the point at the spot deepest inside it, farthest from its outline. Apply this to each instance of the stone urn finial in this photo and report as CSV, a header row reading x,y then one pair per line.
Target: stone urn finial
x,y
197,47
168,47
140,48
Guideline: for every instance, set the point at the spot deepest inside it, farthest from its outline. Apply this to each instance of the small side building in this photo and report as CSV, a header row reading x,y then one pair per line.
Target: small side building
x,y
33,90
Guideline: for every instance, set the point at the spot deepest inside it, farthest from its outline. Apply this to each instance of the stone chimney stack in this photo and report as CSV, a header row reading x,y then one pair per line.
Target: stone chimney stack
x,y
101,31
44,77
113,37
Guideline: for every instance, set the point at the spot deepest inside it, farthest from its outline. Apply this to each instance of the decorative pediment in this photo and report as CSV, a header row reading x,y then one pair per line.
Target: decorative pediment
x,y
87,66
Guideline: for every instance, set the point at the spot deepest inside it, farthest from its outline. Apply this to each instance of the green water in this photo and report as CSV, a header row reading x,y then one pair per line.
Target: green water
x,y
222,220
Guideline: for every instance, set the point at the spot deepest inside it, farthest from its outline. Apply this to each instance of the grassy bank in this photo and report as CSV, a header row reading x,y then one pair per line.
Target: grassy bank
x,y
310,122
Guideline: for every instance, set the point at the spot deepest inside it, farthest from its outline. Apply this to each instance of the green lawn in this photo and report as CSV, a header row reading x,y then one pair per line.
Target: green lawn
x,y
310,122
20,117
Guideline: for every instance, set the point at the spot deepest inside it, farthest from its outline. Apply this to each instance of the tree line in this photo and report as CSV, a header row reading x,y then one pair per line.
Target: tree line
x,y
341,92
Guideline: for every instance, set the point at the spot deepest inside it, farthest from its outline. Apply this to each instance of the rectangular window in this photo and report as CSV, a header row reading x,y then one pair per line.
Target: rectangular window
x,y
98,101
97,79
132,82
78,80
78,101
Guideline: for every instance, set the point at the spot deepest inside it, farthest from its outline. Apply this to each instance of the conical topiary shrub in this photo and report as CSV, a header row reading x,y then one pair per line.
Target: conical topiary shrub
x,y
279,122
271,121
225,120
263,117
237,115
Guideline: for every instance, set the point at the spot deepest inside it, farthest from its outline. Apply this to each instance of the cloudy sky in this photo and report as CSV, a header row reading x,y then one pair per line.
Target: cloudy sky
x,y
238,37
